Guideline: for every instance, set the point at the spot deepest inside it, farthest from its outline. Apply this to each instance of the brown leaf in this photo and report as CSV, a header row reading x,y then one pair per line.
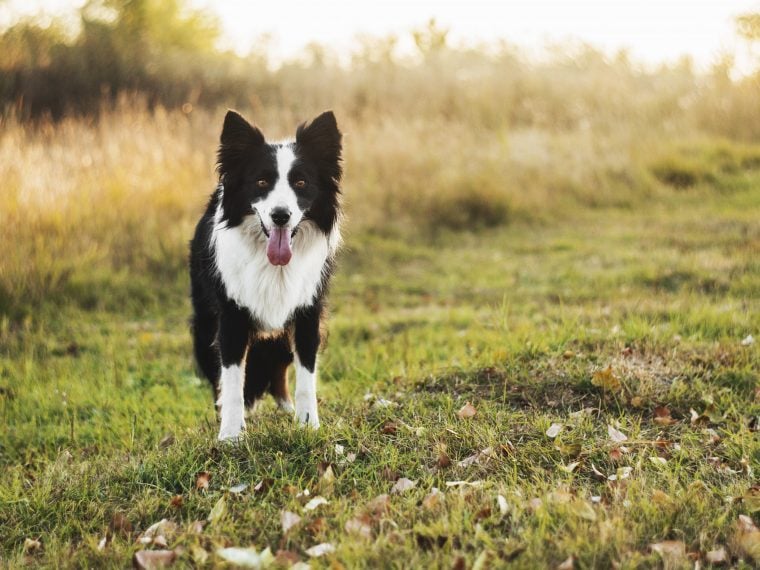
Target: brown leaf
x,y
443,460
288,520
148,559
662,416
120,524
287,558
317,526
606,380
433,499
389,428
568,564
202,480
403,485
379,505
31,545
157,533
177,501
717,556
460,563
389,474
360,526
672,552
615,454
263,485
467,411
479,457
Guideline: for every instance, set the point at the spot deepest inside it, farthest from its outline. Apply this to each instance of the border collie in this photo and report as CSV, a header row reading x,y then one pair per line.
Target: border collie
x,y
260,264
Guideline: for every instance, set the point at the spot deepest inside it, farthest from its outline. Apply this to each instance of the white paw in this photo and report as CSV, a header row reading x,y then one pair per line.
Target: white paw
x,y
231,432
308,417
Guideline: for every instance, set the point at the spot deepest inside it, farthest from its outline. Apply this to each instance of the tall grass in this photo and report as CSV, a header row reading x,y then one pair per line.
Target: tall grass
x,y
457,140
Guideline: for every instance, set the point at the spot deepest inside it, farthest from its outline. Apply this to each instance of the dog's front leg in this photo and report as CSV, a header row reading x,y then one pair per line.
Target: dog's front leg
x,y
234,335
307,344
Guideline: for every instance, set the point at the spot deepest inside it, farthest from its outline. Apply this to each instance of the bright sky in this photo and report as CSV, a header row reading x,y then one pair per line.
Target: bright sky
x,y
652,30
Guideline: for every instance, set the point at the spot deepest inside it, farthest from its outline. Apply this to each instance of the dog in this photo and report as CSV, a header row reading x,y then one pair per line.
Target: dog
x,y
261,260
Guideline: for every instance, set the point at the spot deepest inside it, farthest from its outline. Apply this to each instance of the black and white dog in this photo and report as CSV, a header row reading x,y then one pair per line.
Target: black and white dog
x,y
260,263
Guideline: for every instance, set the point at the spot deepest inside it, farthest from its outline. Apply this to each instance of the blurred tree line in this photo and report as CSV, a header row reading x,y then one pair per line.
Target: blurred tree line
x,y
164,53
159,49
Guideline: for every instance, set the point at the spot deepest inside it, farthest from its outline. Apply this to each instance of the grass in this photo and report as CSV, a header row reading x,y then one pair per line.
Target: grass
x,y
106,426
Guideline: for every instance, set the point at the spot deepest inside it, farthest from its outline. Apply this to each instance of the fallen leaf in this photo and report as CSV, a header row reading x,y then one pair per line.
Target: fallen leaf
x,y
403,485
662,416
389,474
320,550
696,418
747,537
157,533
479,457
658,460
606,380
568,564
622,473
433,499
359,526
339,449
751,499
568,354
314,503
672,552
598,474
177,501
443,460
717,556
196,527
120,524
31,545
554,430
616,454
466,411
202,480
148,559
503,505
317,526
198,554
263,485
216,514
237,489
288,520
287,558
246,557
389,428
616,435
103,543
379,505
748,340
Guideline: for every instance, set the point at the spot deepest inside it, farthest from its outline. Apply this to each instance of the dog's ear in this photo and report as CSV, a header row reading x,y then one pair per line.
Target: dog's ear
x,y
320,140
238,138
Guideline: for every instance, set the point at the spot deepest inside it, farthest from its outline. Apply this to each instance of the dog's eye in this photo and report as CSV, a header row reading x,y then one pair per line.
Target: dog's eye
x,y
300,184
262,183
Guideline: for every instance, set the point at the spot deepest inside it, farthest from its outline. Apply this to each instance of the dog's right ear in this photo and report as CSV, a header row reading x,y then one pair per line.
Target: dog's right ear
x,y
238,138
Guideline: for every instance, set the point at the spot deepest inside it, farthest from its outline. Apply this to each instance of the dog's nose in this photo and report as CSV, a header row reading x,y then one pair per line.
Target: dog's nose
x,y
280,216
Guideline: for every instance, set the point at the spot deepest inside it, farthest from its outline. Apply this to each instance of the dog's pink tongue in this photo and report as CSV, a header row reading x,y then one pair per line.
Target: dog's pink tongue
x,y
278,246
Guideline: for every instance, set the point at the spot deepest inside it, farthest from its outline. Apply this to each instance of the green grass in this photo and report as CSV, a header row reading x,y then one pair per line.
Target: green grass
x,y
514,320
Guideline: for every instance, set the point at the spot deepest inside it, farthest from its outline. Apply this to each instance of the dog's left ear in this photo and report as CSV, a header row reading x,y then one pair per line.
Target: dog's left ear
x,y
321,140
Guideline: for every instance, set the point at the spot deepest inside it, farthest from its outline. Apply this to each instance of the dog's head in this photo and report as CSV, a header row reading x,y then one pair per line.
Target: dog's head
x,y
281,184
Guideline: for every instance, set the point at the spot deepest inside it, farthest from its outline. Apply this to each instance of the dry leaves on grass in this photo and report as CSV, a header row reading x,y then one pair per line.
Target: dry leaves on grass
x,y
662,416
616,435
202,481
554,430
433,499
467,411
747,538
717,556
218,512
158,534
288,520
672,552
31,545
477,458
148,559
314,503
320,550
606,380
360,526
403,485
246,557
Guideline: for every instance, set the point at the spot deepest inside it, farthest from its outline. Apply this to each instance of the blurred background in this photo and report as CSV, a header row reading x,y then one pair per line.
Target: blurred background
x,y
458,116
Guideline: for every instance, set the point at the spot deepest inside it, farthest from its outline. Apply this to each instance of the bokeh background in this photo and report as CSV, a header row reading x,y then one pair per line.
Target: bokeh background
x,y
111,110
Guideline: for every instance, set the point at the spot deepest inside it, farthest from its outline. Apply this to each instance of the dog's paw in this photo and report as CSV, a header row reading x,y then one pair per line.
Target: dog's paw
x,y
286,406
308,418
230,433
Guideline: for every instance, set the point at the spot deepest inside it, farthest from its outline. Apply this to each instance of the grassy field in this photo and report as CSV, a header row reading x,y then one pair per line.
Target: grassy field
x,y
605,352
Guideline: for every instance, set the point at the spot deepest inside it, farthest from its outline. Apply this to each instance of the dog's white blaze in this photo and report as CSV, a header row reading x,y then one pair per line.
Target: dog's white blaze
x,y
271,293
306,395
230,402
282,195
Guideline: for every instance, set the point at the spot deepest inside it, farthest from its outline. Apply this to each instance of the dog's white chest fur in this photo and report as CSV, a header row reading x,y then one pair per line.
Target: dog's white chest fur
x,y
271,293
